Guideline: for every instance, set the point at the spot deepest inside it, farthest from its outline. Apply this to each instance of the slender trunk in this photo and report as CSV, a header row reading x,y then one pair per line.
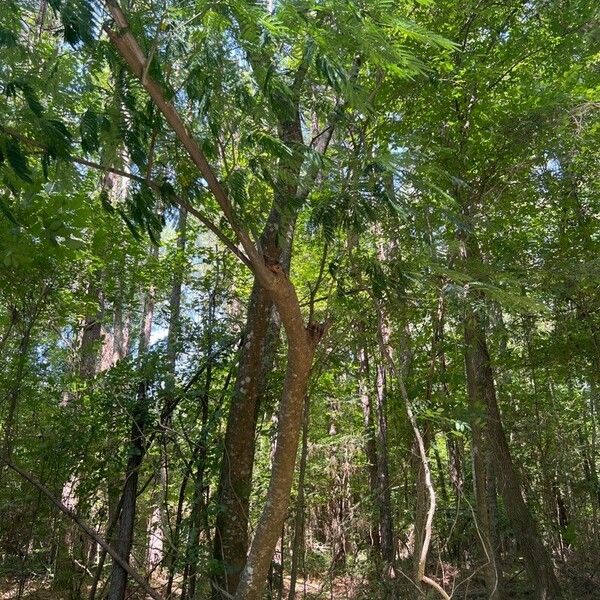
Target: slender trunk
x,y
158,518
156,533
173,550
262,333
386,527
231,529
198,504
491,450
137,449
421,503
299,518
399,370
87,367
371,454
124,540
15,390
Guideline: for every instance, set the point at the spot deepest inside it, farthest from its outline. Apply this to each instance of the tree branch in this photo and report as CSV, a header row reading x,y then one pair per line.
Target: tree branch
x,y
84,527
130,51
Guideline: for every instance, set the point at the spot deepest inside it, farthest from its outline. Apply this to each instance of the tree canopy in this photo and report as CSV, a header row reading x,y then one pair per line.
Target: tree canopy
x,y
299,298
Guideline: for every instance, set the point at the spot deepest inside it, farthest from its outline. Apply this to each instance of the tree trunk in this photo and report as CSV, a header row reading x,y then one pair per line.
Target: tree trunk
x,y
371,454
87,366
480,380
481,474
137,449
231,529
299,519
301,348
256,362
198,509
386,527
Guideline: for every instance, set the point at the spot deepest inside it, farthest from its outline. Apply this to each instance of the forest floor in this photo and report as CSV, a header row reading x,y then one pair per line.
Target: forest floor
x,y
580,581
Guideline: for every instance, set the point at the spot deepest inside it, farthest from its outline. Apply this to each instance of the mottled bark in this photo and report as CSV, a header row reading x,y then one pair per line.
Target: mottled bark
x,y
256,362
301,347
481,387
481,378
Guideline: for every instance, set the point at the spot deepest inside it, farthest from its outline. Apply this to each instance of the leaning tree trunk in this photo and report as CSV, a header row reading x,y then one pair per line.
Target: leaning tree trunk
x,y
302,343
480,377
302,340
256,362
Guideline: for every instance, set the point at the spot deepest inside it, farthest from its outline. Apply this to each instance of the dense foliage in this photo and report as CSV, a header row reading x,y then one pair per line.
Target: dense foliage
x,y
299,297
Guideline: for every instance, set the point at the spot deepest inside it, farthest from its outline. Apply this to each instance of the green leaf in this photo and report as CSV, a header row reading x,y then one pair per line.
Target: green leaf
x,y
58,138
7,212
78,21
8,39
88,129
17,159
268,144
106,203
332,72
31,98
237,185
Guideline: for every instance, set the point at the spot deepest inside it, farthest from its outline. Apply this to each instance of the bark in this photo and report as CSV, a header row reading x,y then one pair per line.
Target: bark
x,y
299,519
482,476
386,527
176,536
399,370
271,274
256,362
87,367
14,392
370,450
301,348
137,450
231,529
156,533
482,390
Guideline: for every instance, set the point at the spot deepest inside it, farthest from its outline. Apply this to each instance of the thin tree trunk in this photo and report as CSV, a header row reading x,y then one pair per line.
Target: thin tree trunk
x,y
87,366
399,371
15,390
386,527
198,509
371,454
300,517
137,445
